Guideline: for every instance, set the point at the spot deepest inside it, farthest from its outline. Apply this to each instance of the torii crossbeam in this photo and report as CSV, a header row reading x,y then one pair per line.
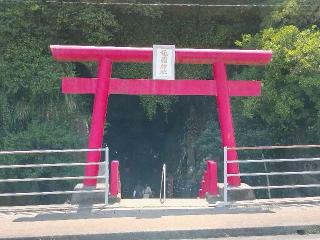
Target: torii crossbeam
x,y
104,85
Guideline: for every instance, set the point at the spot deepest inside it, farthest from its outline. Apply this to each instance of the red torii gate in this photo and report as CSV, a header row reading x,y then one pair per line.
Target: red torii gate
x,y
104,85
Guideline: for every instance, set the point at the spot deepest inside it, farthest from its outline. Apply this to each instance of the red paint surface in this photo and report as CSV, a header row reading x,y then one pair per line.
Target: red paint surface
x,y
161,87
131,54
202,190
209,183
201,193
203,182
213,178
98,119
76,85
206,181
114,178
225,119
104,86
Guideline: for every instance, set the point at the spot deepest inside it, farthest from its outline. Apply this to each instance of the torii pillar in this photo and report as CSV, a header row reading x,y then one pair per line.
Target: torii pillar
x,y
99,113
104,85
225,119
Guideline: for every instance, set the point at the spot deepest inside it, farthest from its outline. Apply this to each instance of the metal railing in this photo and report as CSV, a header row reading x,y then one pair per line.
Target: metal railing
x,y
163,184
267,174
50,165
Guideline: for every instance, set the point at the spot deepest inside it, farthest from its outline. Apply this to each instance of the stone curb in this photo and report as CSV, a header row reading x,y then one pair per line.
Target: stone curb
x,y
184,234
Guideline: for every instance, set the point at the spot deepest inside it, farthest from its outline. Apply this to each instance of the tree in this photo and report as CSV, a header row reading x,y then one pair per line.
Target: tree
x,y
300,13
290,103
33,112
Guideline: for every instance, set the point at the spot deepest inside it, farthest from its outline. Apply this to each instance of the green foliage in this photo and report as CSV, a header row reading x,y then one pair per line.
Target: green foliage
x,y
56,23
300,13
184,27
150,103
39,135
85,24
30,81
34,113
289,101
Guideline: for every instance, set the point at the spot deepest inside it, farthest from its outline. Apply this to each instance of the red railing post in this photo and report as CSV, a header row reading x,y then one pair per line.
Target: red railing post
x,y
206,181
209,183
114,178
202,191
213,178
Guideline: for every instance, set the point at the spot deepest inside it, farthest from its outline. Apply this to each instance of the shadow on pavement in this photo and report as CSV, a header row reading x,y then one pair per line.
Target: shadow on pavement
x,y
88,212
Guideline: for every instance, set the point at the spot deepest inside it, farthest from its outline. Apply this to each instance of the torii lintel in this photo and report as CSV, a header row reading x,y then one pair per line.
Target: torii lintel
x,y
73,85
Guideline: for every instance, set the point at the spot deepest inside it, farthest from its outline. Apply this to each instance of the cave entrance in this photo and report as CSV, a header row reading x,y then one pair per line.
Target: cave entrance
x,y
142,146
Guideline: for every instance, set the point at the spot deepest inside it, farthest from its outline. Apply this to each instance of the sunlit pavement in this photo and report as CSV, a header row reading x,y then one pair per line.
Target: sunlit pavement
x,y
149,221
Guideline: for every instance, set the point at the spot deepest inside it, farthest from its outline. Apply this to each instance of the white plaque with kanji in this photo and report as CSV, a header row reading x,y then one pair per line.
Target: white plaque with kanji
x,y
164,62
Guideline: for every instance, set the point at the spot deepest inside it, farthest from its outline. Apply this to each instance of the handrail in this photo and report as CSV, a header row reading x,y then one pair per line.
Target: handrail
x,y
163,184
276,187
274,160
47,193
56,178
52,151
255,174
274,173
274,147
47,179
48,165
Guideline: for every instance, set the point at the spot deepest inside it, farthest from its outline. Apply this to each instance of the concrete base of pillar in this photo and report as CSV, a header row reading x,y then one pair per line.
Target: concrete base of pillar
x,y
91,198
238,195
233,195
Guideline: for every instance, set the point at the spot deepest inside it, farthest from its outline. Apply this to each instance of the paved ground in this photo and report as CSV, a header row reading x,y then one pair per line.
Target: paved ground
x,y
276,237
136,219
155,203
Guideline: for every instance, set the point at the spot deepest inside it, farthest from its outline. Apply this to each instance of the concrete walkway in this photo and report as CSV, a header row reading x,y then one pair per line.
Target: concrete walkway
x,y
275,237
151,220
